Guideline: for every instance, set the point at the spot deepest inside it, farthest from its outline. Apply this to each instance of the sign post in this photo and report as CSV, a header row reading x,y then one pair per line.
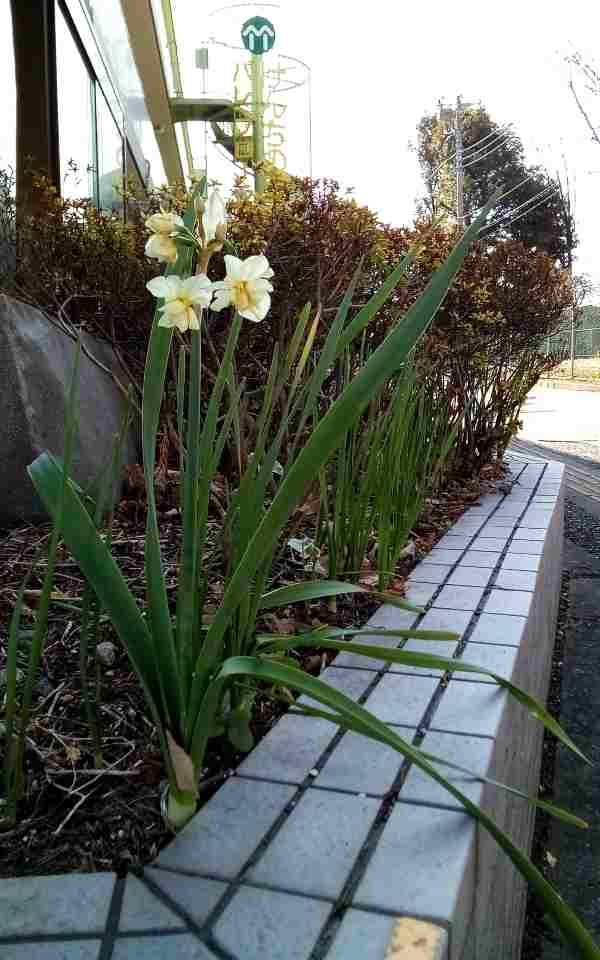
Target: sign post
x,y
258,37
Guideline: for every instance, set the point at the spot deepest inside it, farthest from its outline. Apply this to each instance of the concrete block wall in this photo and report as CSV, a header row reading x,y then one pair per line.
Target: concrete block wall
x,y
324,846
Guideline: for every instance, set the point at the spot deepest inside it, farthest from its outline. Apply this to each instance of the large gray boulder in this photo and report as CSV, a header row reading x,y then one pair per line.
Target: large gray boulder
x,y
36,363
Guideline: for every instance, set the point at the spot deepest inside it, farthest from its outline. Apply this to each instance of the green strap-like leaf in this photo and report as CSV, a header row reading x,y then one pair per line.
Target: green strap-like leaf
x,y
573,931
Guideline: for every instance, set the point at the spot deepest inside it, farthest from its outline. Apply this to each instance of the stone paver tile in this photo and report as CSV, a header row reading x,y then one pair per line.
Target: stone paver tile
x,y
67,950
530,533
502,523
315,849
465,576
362,936
437,648
496,628
430,573
142,910
521,561
537,518
454,541
437,555
440,619
197,896
491,656
452,597
221,837
480,558
516,579
271,925
506,512
473,753
491,542
467,525
470,708
289,750
45,905
441,886
351,682
387,617
509,602
178,946
362,765
401,699
533,547
420,593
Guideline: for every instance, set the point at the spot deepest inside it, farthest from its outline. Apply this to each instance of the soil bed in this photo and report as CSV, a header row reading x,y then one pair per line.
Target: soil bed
x,y
77,815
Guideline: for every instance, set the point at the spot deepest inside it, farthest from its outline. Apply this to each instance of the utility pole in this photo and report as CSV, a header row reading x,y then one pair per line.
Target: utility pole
x,y
460,174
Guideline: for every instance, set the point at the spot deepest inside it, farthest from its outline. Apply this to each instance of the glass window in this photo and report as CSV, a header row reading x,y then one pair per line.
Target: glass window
x,y
110,158
75,116
8,127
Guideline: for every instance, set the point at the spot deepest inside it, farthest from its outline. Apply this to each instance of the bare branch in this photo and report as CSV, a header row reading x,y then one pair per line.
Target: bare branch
x,y
594,132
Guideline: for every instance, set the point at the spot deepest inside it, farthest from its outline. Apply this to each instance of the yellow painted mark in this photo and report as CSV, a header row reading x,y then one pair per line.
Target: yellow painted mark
x,y
416,940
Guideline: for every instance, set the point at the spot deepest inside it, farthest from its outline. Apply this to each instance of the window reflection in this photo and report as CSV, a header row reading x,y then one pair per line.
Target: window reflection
x,y
75,115
110,159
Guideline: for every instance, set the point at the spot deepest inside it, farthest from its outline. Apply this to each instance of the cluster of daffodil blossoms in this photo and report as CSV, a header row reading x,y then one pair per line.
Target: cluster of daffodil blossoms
x,y
246,286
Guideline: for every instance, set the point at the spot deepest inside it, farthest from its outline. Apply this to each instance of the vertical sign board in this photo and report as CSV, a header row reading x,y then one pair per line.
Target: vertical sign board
x,y
258,35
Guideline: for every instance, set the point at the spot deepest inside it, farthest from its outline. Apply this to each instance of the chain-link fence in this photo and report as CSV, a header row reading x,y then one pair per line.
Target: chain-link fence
x,y
586,345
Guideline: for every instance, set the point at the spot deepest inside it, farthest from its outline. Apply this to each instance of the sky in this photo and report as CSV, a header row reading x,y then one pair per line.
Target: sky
x,y
376,68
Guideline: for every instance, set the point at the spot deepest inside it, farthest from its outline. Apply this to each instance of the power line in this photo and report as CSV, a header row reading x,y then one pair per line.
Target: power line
x,y
499,138
548,192
501,143
495,133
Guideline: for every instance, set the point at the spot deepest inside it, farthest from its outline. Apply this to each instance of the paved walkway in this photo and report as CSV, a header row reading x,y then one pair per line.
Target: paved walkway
x,y
566,426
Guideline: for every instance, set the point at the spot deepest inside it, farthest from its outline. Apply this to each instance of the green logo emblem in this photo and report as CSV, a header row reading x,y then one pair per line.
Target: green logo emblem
x,y
258,35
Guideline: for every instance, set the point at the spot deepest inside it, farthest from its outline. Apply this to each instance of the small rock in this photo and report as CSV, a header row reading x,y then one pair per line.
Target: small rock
x,y
106,653
409,552
313,773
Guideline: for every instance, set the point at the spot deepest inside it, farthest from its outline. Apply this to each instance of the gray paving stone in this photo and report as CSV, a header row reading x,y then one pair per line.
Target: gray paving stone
x,y
480,558
536,518
467,524
503,522
438,555
533,547
178,946
441,886
289,750
470,708
438,648
221,837
438,619
509,602
401,699
271,925
420,593
69,950
452,597
490,656
362,765
454,541
521,561
499,532
142,910
465,576
491,542
430,573
473,753
530,533
495,628
44,905
315,849
362,936
351,682
387,617
510,510
197,896
516,579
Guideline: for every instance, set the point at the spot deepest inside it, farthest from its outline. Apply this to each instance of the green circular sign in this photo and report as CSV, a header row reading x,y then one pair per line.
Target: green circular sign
x,y
258,35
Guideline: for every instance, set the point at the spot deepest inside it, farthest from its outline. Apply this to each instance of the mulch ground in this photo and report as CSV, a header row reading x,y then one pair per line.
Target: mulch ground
x,y
81,813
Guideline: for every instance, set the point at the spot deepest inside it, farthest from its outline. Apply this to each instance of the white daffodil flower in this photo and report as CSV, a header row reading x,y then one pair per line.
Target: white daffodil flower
x,y
163,226
214,216
181,297
246,287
